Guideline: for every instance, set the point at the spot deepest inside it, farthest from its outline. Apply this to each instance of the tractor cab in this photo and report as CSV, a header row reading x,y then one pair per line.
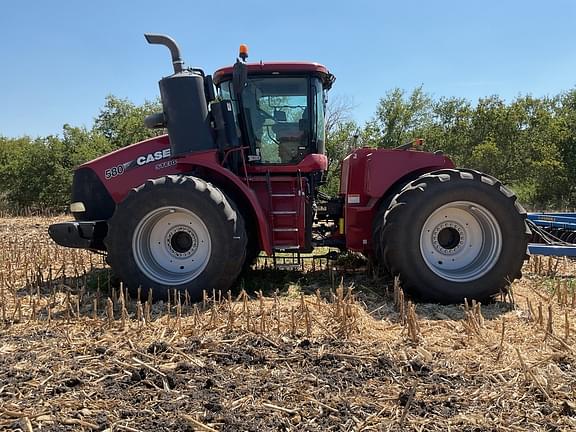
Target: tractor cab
x,y
266,114
278,108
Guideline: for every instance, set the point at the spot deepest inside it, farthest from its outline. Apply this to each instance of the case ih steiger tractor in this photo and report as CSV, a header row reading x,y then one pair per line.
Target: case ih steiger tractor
x,y
239,173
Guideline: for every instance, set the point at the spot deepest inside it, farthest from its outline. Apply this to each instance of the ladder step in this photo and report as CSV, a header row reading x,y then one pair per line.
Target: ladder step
x,y
286,247
288,266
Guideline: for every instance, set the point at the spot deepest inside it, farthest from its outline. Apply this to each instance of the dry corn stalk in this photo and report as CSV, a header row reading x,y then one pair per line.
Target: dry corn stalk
x,y
412,323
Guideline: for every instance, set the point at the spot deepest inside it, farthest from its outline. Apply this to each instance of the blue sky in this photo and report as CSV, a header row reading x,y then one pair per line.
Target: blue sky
x,y
59,59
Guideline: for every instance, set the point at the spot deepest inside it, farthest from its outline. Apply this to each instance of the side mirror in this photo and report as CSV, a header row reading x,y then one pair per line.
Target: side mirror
x,y
239,76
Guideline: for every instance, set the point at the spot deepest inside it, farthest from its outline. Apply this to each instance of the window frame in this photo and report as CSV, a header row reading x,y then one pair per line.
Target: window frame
x,y
311,104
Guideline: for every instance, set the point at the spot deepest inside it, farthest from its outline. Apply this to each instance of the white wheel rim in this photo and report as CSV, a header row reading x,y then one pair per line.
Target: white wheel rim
x,y
461,241
171,245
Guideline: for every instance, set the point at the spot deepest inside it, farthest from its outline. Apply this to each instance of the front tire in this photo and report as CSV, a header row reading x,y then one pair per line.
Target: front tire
x,y
176,232
455,234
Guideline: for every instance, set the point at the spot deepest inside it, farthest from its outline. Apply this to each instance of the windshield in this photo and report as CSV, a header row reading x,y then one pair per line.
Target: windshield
x,y
277,116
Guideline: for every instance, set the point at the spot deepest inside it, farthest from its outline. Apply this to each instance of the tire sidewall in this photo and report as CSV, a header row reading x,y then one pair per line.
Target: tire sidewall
x,y
422,205
184,195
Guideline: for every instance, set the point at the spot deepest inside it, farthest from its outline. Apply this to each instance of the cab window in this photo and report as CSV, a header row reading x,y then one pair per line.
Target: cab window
x,y
278,118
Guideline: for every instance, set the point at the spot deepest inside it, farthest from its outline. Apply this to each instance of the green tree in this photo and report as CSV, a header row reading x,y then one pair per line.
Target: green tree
x,y
35,172
121,122
565,116
399,118
518,143
341,136
528,143
83,145
449,130
339,142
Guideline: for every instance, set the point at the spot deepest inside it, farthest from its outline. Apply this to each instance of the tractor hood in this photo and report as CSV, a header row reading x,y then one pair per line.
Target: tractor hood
x,y
103,182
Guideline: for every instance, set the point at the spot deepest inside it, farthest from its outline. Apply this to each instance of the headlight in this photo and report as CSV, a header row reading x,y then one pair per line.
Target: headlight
x,y
77,207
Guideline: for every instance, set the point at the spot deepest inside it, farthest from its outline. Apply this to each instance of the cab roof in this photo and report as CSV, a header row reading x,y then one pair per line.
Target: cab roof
x,y
279,68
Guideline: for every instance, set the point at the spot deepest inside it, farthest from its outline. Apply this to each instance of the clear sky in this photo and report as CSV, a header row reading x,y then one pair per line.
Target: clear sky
x,y
59,59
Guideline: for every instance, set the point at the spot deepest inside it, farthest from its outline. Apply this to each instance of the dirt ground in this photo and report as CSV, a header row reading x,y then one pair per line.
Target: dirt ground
x,y
317,351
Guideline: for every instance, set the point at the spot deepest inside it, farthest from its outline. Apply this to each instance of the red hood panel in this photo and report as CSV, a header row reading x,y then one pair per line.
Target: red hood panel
x,y
129,167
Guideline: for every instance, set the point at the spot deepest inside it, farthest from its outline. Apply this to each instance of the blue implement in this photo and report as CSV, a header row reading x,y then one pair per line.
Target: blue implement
x,y
554,220
561,230
551,250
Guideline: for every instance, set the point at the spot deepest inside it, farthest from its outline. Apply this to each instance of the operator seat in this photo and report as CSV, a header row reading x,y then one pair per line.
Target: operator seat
x,y
292,136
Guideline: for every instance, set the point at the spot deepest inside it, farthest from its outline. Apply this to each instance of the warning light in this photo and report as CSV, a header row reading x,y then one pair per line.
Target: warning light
x,y
243,51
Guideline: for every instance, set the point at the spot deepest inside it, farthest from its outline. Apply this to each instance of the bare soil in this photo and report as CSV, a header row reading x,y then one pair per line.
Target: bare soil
x,y
316,351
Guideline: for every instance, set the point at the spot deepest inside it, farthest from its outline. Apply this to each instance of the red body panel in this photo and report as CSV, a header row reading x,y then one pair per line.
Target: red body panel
x,y
132,174
310,163
367,174
277,201
284,201
275,193
272,67
151,159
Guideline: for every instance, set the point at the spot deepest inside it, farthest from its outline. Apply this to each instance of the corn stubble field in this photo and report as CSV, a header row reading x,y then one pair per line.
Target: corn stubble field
x,y
317,351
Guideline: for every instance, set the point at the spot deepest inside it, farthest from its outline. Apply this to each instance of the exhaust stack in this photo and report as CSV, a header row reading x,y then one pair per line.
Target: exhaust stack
x,y
168,42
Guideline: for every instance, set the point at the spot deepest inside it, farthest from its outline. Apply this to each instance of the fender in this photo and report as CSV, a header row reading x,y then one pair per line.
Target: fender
x,y
129,167
207,163
368,175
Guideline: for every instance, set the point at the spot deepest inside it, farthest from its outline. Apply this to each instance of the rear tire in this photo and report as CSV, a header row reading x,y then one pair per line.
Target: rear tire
x,y
454,234
176,232
377,226
377,259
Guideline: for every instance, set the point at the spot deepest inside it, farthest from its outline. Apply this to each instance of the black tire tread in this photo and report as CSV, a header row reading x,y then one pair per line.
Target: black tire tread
x,y
400,211
230,269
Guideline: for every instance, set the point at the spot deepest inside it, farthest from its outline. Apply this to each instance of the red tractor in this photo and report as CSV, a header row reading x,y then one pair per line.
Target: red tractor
x,y
239,173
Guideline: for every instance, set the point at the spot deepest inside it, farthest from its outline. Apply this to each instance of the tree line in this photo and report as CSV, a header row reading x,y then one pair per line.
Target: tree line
x,y
528,143
37,172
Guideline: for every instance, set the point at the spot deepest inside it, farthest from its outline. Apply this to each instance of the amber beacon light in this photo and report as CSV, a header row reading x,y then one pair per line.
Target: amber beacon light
x,y
243,51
